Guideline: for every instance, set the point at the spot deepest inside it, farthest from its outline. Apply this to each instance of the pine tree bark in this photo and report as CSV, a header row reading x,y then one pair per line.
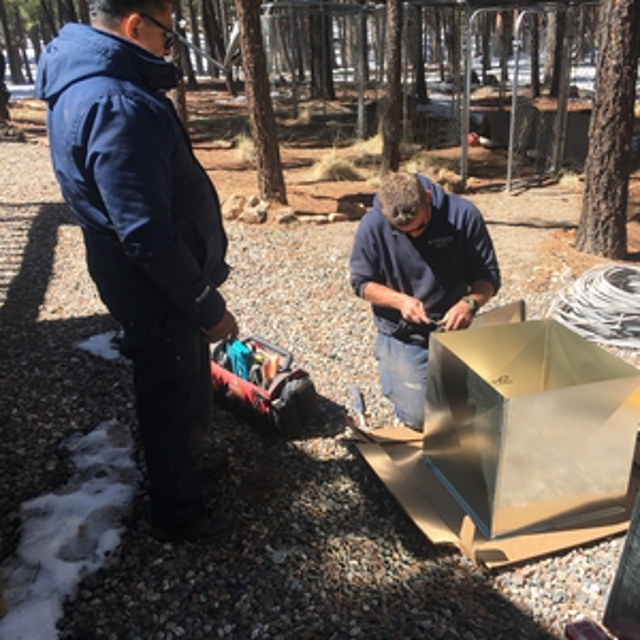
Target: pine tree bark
x,y
322,87
603,223
392,123
13,52
553,51
535,56
179,95
195,34
260,107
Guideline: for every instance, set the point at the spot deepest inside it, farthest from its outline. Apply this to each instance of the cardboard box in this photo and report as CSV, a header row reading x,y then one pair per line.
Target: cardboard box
x,y
528,446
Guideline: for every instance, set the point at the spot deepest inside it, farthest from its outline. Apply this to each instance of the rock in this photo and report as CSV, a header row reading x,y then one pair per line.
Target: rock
x,y
233,206
255,211
352,209
317,219
450,180
285,216
338,217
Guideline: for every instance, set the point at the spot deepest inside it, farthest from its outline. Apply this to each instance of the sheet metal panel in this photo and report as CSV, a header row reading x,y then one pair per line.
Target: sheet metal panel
x,y
530,426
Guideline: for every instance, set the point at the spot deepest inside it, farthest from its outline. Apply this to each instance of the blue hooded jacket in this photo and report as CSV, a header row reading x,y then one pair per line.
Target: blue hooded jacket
x,y
437,267
149,213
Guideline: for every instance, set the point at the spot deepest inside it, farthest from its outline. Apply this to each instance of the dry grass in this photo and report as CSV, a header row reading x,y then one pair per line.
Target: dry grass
x,y
245,149
331,168
571,180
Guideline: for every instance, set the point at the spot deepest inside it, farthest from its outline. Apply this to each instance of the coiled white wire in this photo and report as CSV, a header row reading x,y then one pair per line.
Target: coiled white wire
x,y
603,305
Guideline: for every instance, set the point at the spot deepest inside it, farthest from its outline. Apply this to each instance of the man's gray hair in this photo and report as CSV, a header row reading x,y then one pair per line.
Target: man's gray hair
x,y
401,196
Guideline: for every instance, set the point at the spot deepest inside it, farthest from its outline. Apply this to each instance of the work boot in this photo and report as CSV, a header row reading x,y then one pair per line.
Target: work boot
x,y
201,528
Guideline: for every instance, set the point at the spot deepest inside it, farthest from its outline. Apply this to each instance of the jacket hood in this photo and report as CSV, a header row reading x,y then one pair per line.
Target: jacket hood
x,y
81,52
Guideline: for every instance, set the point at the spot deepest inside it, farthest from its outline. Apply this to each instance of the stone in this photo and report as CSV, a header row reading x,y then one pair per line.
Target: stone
x,y
352,209
233,206
285,215
316,219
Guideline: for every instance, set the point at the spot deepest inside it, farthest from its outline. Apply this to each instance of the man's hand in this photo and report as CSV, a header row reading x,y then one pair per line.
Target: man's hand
x,y
412,310
459,316
226,329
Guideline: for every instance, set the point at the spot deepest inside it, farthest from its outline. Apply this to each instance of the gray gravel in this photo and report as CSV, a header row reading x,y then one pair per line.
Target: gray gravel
x,y
320,547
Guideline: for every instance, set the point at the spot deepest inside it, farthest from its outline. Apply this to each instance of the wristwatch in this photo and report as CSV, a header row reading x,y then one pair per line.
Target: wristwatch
x,y
473,304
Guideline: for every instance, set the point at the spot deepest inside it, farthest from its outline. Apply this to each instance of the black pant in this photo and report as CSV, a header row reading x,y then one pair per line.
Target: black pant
x,y
173,400
172,379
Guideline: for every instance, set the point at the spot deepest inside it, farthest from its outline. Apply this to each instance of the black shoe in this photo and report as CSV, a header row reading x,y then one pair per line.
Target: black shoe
x,y
214,466
205,526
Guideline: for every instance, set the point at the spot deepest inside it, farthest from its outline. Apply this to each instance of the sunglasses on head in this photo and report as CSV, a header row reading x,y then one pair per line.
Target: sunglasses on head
x,y
170,36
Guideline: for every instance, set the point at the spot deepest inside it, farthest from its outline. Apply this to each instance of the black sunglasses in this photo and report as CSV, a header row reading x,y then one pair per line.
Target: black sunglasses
x,y
170,36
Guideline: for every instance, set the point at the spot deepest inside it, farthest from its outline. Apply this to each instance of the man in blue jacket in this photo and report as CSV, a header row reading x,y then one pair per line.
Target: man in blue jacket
x,y
155,244
426,262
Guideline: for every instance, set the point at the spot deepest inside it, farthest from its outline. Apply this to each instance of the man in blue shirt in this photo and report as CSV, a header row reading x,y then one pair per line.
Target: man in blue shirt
x,y
426,262
155,243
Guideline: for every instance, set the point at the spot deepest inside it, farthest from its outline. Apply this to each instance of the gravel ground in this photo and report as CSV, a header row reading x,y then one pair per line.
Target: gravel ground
x,y
320,547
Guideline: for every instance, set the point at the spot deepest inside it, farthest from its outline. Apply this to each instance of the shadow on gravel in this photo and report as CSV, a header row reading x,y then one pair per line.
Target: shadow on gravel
x,y
320,548
49,388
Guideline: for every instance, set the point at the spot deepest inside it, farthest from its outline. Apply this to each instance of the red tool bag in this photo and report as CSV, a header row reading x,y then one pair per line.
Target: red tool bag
x,y
255,380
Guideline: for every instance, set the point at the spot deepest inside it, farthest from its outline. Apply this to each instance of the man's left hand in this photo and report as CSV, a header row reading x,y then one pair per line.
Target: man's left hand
x,y
459,316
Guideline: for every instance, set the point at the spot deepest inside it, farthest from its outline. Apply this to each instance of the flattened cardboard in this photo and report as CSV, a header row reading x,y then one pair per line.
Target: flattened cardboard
x,y
402,468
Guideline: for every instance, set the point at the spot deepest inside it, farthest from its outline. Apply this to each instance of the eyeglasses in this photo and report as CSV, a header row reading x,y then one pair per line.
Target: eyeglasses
x,y
170,36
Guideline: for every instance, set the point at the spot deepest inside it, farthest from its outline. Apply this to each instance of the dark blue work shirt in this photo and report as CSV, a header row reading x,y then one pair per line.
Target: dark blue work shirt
x,y
437,267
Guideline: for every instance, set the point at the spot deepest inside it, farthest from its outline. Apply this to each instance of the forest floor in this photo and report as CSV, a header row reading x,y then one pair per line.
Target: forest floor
x,y
323,135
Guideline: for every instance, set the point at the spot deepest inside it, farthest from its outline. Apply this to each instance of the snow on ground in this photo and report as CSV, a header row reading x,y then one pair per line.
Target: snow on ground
x,y
72,531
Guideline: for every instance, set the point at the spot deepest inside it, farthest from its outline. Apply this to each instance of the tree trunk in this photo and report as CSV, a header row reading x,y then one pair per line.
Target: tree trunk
x,y
214,39
363,43
603,223
4,94
66,12
181,52
321,57
49,29
535,56
178,95
418,63
260,107
438,48
195,34
22,40
34,36
553,51
13,52
83,11
485,22
391,128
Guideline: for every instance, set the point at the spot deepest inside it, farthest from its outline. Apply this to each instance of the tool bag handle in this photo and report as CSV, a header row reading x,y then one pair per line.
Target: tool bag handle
x,y
288,357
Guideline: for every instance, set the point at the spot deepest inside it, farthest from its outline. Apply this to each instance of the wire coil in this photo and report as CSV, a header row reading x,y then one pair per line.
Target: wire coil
x,y
603,305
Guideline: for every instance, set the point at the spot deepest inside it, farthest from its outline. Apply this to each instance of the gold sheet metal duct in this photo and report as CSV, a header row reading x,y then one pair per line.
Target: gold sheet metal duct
x,y
529,426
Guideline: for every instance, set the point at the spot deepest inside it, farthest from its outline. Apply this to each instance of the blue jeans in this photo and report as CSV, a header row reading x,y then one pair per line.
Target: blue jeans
x,y
403,378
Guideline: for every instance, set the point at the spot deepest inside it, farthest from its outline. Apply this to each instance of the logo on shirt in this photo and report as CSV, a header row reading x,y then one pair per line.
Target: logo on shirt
x,y
440,243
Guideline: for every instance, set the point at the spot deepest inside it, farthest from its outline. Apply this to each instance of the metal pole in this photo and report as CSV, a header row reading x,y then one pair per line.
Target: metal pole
x,y
362,26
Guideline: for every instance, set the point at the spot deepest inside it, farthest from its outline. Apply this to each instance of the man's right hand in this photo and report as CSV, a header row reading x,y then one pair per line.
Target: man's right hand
x,y
226,329
412,310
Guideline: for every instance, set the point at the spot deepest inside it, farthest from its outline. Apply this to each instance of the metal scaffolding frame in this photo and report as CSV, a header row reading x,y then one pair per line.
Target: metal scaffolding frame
x,y
470,11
